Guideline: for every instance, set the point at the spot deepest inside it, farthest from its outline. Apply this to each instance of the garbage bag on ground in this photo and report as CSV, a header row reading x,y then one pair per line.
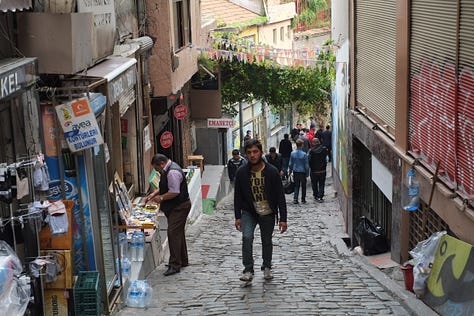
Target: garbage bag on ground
x,y
423,257
370,237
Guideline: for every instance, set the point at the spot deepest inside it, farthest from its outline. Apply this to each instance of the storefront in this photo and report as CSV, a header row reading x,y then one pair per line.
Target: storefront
x,y
21,150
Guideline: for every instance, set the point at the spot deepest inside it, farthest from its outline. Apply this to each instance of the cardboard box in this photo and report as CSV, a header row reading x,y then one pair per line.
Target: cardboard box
x,y
47,241
56,302
65,277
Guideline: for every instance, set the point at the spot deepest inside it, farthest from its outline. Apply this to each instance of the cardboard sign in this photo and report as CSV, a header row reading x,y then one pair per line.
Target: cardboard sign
x,y
79,125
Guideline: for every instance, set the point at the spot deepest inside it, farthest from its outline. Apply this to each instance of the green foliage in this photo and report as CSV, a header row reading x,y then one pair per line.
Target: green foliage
x,y
280,87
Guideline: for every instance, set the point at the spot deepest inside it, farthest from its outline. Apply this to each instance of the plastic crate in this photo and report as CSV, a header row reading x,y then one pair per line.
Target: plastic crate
x,y
87,299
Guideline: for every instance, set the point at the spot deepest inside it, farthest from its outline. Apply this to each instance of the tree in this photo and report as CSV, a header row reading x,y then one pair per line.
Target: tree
x,y
308,88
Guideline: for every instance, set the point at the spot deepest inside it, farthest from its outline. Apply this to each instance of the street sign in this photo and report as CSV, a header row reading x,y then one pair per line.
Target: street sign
x,y
180,112
166,140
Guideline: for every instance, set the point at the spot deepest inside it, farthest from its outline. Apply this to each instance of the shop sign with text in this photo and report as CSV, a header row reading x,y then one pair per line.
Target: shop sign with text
x,y
79,125
220,123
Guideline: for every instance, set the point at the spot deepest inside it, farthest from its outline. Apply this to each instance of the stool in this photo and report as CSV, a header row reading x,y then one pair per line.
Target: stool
x,y
199,159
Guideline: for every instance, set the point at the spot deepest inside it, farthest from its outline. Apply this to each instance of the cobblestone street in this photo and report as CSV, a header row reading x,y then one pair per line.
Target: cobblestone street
x,y
314,273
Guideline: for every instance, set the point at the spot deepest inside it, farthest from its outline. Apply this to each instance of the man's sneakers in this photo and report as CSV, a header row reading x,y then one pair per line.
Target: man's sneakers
x,y
267,274
246,276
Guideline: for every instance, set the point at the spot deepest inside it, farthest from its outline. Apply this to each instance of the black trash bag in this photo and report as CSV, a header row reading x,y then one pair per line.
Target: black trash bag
x,y
371,237
289,185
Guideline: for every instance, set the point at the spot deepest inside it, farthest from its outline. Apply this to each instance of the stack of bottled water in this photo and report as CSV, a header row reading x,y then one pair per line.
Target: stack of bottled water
x,y
137,246
141,246
123,244
140,294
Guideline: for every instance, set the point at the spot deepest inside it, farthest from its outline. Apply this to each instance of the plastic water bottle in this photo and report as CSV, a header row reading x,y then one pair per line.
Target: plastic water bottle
x,y
134,295
126,267
134,247
123,244
413,200
140,246
148,290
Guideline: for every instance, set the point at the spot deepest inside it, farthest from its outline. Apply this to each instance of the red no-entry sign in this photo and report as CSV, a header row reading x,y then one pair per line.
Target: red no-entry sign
x,y
180,112
166,140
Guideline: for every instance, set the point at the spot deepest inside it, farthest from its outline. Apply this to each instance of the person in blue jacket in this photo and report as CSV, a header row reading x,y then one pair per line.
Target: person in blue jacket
x,y
258,199
299,167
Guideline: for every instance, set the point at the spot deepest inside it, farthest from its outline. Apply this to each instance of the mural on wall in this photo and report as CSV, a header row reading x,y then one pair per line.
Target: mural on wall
x,y
450,287
340,145
442,122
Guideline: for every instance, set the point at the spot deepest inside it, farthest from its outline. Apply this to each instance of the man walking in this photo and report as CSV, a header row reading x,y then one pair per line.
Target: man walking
x,y
300,169
258,198
274,159
173,198
285,148
317,163
327,140
233,164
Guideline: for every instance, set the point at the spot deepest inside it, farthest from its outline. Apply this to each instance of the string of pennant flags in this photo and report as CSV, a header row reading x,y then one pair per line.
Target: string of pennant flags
x,y
249,52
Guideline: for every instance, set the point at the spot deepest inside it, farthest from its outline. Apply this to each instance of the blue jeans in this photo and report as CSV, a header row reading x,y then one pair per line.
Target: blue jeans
x,y
300,180
285,162
248,223
317,183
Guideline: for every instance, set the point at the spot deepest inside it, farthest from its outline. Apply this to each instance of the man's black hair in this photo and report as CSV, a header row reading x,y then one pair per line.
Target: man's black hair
x,y
253,142
235,152
158,158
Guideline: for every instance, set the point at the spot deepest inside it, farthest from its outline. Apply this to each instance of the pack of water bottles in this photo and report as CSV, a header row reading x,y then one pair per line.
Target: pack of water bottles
x,y
140,294
137,246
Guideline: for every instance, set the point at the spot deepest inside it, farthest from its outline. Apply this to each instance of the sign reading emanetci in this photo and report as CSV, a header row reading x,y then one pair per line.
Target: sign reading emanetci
x,y
79,125
220,123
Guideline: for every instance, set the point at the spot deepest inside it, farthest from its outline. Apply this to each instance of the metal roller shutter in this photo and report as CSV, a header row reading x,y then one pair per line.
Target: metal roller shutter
x,y
375,57
465,153
433,83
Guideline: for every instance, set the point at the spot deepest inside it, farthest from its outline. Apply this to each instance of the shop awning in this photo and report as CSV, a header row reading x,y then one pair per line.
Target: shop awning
x,y
111,68
14,5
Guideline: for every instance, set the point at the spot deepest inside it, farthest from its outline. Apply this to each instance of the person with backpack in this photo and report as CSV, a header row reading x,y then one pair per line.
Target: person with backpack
x,y
258,199
233,164
317,164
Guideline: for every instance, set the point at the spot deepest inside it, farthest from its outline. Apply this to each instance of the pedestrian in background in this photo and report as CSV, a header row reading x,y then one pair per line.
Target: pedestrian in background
x,y
274,159
295,132
317,164
247,136
233,164
305,140
300,169
174,201
285,148
327,140
258,198
319,132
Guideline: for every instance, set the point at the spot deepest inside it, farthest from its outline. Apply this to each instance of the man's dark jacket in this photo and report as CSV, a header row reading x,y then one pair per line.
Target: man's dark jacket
x,y
273,191
274,162
285,148
317,159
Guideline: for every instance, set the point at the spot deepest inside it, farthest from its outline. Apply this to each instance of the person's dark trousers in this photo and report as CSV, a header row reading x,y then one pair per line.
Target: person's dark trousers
x,y
176,235
285,162
318,180
300,181
266,223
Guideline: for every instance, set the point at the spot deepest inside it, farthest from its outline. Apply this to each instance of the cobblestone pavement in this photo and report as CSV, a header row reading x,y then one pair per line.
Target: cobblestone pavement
x,y
311,277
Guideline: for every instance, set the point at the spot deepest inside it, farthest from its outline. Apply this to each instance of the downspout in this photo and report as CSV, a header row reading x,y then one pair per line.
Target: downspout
x,y
456,94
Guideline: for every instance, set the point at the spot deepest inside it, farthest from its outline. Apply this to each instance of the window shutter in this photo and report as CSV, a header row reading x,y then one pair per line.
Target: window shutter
x,y
375,58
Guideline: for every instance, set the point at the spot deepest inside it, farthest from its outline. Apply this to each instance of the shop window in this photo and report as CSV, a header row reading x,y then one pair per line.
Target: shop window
x,y
182,23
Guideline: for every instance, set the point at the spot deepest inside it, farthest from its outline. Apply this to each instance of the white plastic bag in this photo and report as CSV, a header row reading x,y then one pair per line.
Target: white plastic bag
x,y
423,257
